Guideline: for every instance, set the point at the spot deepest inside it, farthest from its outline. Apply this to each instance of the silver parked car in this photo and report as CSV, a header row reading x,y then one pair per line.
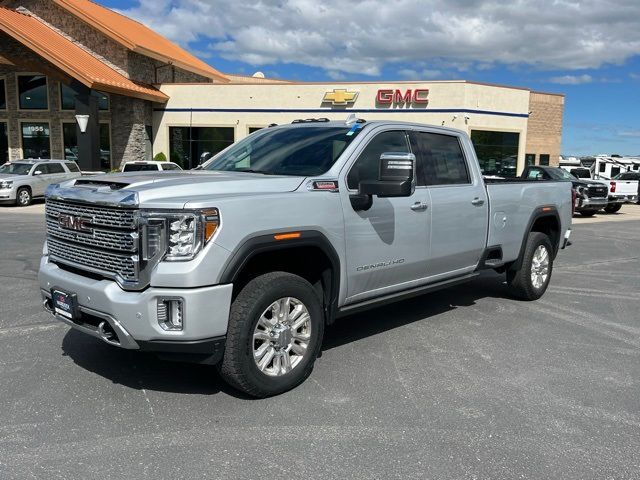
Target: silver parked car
x,y
23,180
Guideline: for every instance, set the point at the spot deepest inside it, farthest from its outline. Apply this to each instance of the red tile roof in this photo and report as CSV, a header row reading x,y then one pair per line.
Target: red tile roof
x,y
71,58
137,37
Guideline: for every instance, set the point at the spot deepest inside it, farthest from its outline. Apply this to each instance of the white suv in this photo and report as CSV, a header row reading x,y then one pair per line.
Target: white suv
x,y
149,166
23,180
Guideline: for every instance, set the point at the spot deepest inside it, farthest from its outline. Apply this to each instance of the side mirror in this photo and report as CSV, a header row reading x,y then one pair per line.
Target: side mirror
x,y
396,176
37,172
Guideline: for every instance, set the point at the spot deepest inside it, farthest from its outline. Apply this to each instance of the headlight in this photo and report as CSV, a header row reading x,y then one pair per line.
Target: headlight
x,y
6,184
179,236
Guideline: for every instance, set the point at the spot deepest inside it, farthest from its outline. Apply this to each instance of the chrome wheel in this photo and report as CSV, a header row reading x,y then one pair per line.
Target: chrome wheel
x,y
281,337
540,266
23,197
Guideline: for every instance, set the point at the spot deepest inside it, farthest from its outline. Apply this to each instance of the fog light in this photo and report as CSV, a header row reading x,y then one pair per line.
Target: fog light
x,y
170,313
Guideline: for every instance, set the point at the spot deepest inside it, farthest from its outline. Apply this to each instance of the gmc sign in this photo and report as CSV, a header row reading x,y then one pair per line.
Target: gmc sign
x,y
419,96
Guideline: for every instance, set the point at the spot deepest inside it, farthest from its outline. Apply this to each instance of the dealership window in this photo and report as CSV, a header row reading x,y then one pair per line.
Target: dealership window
x,y
254,129
529,159
3,95
497,152
68,98
191,146
544,159
32,90
4,143
35,140
70,142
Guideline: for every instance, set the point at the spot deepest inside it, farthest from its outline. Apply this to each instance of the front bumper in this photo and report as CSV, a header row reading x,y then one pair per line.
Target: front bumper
x,y
8,195
105,309
590,203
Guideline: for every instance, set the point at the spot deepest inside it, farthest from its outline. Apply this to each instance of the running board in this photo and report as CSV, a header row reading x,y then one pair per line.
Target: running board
x,y
403,295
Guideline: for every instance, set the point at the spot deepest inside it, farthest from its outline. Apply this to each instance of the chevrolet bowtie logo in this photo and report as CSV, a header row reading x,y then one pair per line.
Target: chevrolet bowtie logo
x,y
340,96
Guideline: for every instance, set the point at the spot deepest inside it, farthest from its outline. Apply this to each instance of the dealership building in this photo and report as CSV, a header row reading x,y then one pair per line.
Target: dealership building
x,y
82,82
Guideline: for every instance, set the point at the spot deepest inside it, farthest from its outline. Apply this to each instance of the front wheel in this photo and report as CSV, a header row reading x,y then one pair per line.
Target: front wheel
x,y
531,280
23,197
275,332
613,208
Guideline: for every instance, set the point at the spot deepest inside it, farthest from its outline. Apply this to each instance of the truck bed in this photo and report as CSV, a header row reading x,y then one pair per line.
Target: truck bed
x,y
512,203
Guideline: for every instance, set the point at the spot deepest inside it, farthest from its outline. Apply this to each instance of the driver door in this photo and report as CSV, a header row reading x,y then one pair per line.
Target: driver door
x,y
40,182
387,246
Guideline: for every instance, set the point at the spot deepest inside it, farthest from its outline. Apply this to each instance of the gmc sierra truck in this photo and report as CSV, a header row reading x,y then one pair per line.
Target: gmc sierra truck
x,y
243,262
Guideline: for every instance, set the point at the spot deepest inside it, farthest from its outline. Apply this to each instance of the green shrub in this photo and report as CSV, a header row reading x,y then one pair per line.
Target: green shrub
x,y
160,157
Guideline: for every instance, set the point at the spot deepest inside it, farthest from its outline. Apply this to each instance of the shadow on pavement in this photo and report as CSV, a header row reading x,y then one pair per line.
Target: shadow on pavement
x,y
140,370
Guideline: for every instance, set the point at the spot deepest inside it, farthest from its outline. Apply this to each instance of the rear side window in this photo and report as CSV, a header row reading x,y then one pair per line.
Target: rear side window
x,y
144,167
535,174
170,166
55,168
443,162
367,165
72,167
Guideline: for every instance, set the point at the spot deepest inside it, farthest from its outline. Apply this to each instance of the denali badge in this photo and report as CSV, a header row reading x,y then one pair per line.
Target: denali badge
x,y
79,224
379,265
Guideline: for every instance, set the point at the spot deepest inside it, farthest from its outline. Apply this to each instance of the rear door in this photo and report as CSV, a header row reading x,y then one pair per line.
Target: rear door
x,y
459,204
57,173
387,245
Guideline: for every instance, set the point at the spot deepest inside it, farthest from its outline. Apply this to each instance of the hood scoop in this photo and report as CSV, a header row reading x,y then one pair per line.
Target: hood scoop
x,y
100,184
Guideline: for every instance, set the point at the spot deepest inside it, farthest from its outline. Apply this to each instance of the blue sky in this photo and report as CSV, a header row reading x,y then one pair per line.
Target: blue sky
x,y
587,49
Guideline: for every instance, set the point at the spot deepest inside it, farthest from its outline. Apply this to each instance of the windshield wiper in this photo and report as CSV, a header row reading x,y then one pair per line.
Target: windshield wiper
x,y
251,170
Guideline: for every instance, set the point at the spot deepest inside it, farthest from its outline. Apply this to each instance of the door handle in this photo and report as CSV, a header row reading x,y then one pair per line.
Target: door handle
x,y
477,202
419,206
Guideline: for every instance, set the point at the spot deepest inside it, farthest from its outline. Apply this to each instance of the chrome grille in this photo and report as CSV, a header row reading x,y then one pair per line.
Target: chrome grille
x,y
111,239
101,216
110,246
110,264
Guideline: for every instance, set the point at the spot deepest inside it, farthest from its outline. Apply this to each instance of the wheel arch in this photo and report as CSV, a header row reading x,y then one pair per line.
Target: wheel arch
x,y
545,220
309,255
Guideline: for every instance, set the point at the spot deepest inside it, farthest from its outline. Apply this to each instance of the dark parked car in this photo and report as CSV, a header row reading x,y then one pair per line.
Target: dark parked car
x,y
590,195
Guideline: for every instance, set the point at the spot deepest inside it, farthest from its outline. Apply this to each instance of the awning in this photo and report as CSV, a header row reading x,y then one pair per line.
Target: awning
x,y
71,58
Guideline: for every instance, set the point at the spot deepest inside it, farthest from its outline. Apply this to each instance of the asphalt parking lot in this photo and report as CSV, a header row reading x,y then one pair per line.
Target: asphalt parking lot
x,y
464,383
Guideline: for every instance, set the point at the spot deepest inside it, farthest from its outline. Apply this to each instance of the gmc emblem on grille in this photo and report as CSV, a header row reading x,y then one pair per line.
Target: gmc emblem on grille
x,y
79,224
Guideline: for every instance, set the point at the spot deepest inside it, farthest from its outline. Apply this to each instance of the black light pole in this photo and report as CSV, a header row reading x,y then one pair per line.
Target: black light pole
x,y
87,129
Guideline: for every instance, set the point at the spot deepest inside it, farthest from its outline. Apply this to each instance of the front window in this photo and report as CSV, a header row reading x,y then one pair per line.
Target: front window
x,y
70,141
4,143
301,151
35,140
3,95
32,90
15,168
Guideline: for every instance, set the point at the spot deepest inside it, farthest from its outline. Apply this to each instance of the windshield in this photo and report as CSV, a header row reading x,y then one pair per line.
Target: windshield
x,y
301,151
15,169
560,174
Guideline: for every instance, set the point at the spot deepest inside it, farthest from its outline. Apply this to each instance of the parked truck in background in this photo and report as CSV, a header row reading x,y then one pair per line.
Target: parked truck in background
x,y
243,263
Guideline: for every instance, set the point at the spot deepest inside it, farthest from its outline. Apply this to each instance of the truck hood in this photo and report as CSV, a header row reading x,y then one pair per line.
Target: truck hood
x,y
184,189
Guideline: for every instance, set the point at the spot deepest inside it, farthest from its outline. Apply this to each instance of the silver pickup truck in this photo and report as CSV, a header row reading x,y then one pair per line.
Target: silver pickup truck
x,y
242,263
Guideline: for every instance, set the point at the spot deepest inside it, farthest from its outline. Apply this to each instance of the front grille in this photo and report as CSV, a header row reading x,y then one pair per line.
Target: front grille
x,y
101,216
110,246
109,264
597,191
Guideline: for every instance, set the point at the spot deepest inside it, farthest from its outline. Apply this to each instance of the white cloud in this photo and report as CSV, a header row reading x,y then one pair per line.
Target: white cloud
x,y
630,133
364,36
424,74
572,79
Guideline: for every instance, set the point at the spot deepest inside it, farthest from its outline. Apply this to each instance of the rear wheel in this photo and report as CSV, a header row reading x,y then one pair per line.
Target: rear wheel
x,y
613,208
23,197
532,279
274,336
588,213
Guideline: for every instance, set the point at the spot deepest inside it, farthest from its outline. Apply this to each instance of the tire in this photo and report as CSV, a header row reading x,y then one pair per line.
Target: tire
x,y
521,282
23,197
255,304
588,213
613,208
